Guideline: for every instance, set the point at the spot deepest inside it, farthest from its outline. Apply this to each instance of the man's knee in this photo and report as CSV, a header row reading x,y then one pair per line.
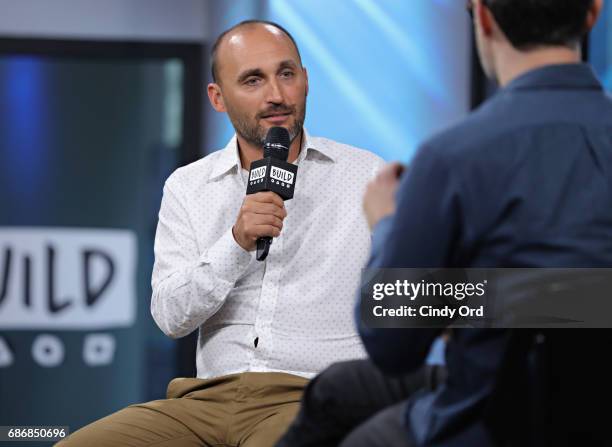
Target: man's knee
x,y
135,425
91,434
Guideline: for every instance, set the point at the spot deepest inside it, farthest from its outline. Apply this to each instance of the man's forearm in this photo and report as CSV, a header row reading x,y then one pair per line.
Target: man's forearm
x,y
185,296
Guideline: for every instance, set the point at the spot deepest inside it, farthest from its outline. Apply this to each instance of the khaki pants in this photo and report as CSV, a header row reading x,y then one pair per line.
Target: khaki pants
x,y
247,410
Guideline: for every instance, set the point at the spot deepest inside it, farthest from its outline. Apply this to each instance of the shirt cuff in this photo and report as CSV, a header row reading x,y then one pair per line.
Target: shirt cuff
x,y
227,259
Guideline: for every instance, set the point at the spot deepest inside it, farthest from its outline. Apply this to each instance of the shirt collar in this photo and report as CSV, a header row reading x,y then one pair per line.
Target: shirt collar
x,y
316,148
229,159
562,76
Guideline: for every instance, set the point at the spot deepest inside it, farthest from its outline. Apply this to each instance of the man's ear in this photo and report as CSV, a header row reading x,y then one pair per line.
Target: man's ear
x,y
593,14
216,97
306,76
485,18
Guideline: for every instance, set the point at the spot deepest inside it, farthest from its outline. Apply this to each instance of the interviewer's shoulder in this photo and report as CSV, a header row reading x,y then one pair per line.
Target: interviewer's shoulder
x,y
475,136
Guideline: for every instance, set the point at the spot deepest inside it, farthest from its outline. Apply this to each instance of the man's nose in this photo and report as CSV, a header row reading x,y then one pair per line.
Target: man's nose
x,y
274,93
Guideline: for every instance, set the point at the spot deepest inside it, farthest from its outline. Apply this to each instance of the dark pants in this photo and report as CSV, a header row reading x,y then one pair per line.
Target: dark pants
x,y
353,404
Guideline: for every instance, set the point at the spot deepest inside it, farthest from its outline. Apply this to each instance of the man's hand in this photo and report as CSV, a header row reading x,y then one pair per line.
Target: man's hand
x,y
379,198
261,214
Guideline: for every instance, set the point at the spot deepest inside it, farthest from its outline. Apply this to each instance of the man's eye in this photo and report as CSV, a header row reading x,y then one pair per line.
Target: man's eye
x,y
287,74
252,81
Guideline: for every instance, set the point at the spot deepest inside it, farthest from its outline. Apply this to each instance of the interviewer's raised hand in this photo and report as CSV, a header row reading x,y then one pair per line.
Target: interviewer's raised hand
x,y
260,215
379,198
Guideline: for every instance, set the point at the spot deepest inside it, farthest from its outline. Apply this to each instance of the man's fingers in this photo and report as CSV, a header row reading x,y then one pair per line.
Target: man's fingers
x,y
266,208
248,222
261,215
267,219
267,197
266,230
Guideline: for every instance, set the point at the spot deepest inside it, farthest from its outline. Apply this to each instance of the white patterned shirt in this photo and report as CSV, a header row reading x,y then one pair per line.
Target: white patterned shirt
x,y
299,303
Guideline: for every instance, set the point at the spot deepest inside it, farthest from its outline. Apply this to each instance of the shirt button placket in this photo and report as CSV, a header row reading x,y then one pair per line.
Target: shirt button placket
x,y
265,311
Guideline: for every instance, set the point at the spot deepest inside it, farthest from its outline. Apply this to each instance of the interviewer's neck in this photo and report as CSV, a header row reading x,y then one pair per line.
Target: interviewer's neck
x,y
512,63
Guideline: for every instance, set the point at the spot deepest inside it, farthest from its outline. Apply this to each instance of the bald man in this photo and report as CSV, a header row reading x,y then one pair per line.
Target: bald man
x,y
265,328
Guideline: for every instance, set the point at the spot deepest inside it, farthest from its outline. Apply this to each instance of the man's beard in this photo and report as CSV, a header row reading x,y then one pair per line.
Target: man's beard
x,y
255,134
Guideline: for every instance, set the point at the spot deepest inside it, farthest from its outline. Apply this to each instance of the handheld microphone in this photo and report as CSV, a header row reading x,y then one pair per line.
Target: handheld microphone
x,y
272,173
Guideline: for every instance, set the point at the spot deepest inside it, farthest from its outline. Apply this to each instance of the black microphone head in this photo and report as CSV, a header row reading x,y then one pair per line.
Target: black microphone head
x,y
276,144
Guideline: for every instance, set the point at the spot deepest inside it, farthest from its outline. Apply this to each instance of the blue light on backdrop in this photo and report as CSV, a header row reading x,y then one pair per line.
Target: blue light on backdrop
x,y
384,74
26,125
601,46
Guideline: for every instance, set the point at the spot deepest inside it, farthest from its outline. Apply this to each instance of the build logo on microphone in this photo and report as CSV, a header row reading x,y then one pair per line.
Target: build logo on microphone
x,y
281,176
258,174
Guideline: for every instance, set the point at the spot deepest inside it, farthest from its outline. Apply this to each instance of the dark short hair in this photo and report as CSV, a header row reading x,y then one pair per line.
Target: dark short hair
x,y
529,23
213,52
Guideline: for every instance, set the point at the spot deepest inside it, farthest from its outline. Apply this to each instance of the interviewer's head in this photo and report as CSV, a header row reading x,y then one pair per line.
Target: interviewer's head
x,y
258,79
525,26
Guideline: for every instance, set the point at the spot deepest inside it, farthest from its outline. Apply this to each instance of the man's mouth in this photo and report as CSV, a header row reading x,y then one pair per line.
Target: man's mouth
x,y
277,117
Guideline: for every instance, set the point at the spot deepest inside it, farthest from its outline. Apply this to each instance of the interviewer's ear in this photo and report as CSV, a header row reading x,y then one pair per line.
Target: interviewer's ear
x,y
485,18
216,97
593,14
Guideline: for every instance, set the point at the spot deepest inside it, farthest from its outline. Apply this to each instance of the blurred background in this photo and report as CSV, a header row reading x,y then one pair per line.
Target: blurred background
x,y
101,100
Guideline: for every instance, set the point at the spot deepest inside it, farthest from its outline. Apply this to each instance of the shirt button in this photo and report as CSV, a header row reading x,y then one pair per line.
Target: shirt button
x,y
256,341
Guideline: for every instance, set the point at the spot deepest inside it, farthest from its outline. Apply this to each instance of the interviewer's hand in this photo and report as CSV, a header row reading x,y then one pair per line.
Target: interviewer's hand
x,y
261,214
379,198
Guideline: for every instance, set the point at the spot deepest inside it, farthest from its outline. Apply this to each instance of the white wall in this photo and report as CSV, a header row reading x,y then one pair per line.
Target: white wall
x,y
159,20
